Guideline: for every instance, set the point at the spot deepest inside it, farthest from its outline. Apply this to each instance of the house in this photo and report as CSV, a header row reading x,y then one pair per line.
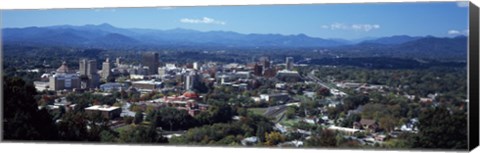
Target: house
x,y
348,131
110,112
310,94
280,85
278,97
249,141
410,126
380,137
294,143
426,100
280,128
366,124
311,120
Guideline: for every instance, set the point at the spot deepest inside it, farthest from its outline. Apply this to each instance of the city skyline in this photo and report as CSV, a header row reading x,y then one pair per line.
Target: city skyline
x,y
346,21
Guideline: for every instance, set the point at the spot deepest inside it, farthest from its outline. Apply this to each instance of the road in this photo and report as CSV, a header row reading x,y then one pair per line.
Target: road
x,y
317,80
275,110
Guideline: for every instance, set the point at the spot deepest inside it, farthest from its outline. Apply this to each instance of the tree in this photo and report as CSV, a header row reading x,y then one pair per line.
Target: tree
x,y
352,102
22,120
387,122
323,138
73,127
323,92
348,122
173,119
139,134
128,120
108,136
273,138
442,129
398,143
138,118
219,133
261,127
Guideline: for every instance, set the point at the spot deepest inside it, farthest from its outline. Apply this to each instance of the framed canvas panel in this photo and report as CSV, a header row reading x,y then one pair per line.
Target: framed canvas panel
x,y
297,77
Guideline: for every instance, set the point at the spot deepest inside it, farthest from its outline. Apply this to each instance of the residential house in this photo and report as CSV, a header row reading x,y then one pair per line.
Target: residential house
x,y
366,124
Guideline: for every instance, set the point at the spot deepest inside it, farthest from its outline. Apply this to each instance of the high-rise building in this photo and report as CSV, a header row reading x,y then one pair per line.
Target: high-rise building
x,y
289,63
269,73
188,82
88,73
265,62
118,61
83,67
91,67
257,70
106,75
196,66
64,79
162,71
191,80
150,60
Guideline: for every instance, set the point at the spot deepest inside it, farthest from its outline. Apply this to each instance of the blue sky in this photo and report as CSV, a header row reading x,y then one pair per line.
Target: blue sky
x,y
347,21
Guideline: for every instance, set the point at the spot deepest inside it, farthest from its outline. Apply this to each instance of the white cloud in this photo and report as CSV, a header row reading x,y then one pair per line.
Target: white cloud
x,y
204,20
463,4
453,32
355,27
458,32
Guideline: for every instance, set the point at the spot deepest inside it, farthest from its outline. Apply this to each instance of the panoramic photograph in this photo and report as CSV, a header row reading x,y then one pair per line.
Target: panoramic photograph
x,y
323,76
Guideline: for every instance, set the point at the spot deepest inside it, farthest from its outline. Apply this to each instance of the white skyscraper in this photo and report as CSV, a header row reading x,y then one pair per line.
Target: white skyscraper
x,y
289,63
106,70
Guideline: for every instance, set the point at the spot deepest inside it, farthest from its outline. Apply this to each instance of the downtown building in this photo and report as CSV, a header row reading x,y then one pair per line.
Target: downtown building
x,y
289,63
151,60
106,70
64,79
88,74
191,81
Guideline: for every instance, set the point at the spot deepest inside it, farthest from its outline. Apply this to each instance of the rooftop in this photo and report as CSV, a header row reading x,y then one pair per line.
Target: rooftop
x,y
147,82
102,108
63,68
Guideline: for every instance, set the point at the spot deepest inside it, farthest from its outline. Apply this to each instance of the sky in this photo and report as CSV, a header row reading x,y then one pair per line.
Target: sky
x,y
344,21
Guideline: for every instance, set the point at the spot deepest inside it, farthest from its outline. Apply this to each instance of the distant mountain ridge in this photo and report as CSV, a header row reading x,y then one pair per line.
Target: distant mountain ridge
x,y
108,36
89,35
398,39
422,47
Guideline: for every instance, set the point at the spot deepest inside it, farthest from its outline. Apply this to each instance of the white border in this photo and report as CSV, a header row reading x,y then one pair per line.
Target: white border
x,y
48,4
85,148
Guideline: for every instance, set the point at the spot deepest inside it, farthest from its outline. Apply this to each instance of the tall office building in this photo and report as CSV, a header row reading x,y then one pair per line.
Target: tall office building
x,y
106,75
196,66
88,73
92,67
257,70
150,60
162,71
289,63
83,66
265,62
191,81
118,61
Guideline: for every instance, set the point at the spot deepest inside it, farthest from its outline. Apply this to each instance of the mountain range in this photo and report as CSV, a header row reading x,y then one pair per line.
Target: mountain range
x,y
108,36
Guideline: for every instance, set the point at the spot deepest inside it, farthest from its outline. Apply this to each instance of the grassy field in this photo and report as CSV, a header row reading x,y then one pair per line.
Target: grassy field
x,y
145,124
288,122
123,128
258,111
